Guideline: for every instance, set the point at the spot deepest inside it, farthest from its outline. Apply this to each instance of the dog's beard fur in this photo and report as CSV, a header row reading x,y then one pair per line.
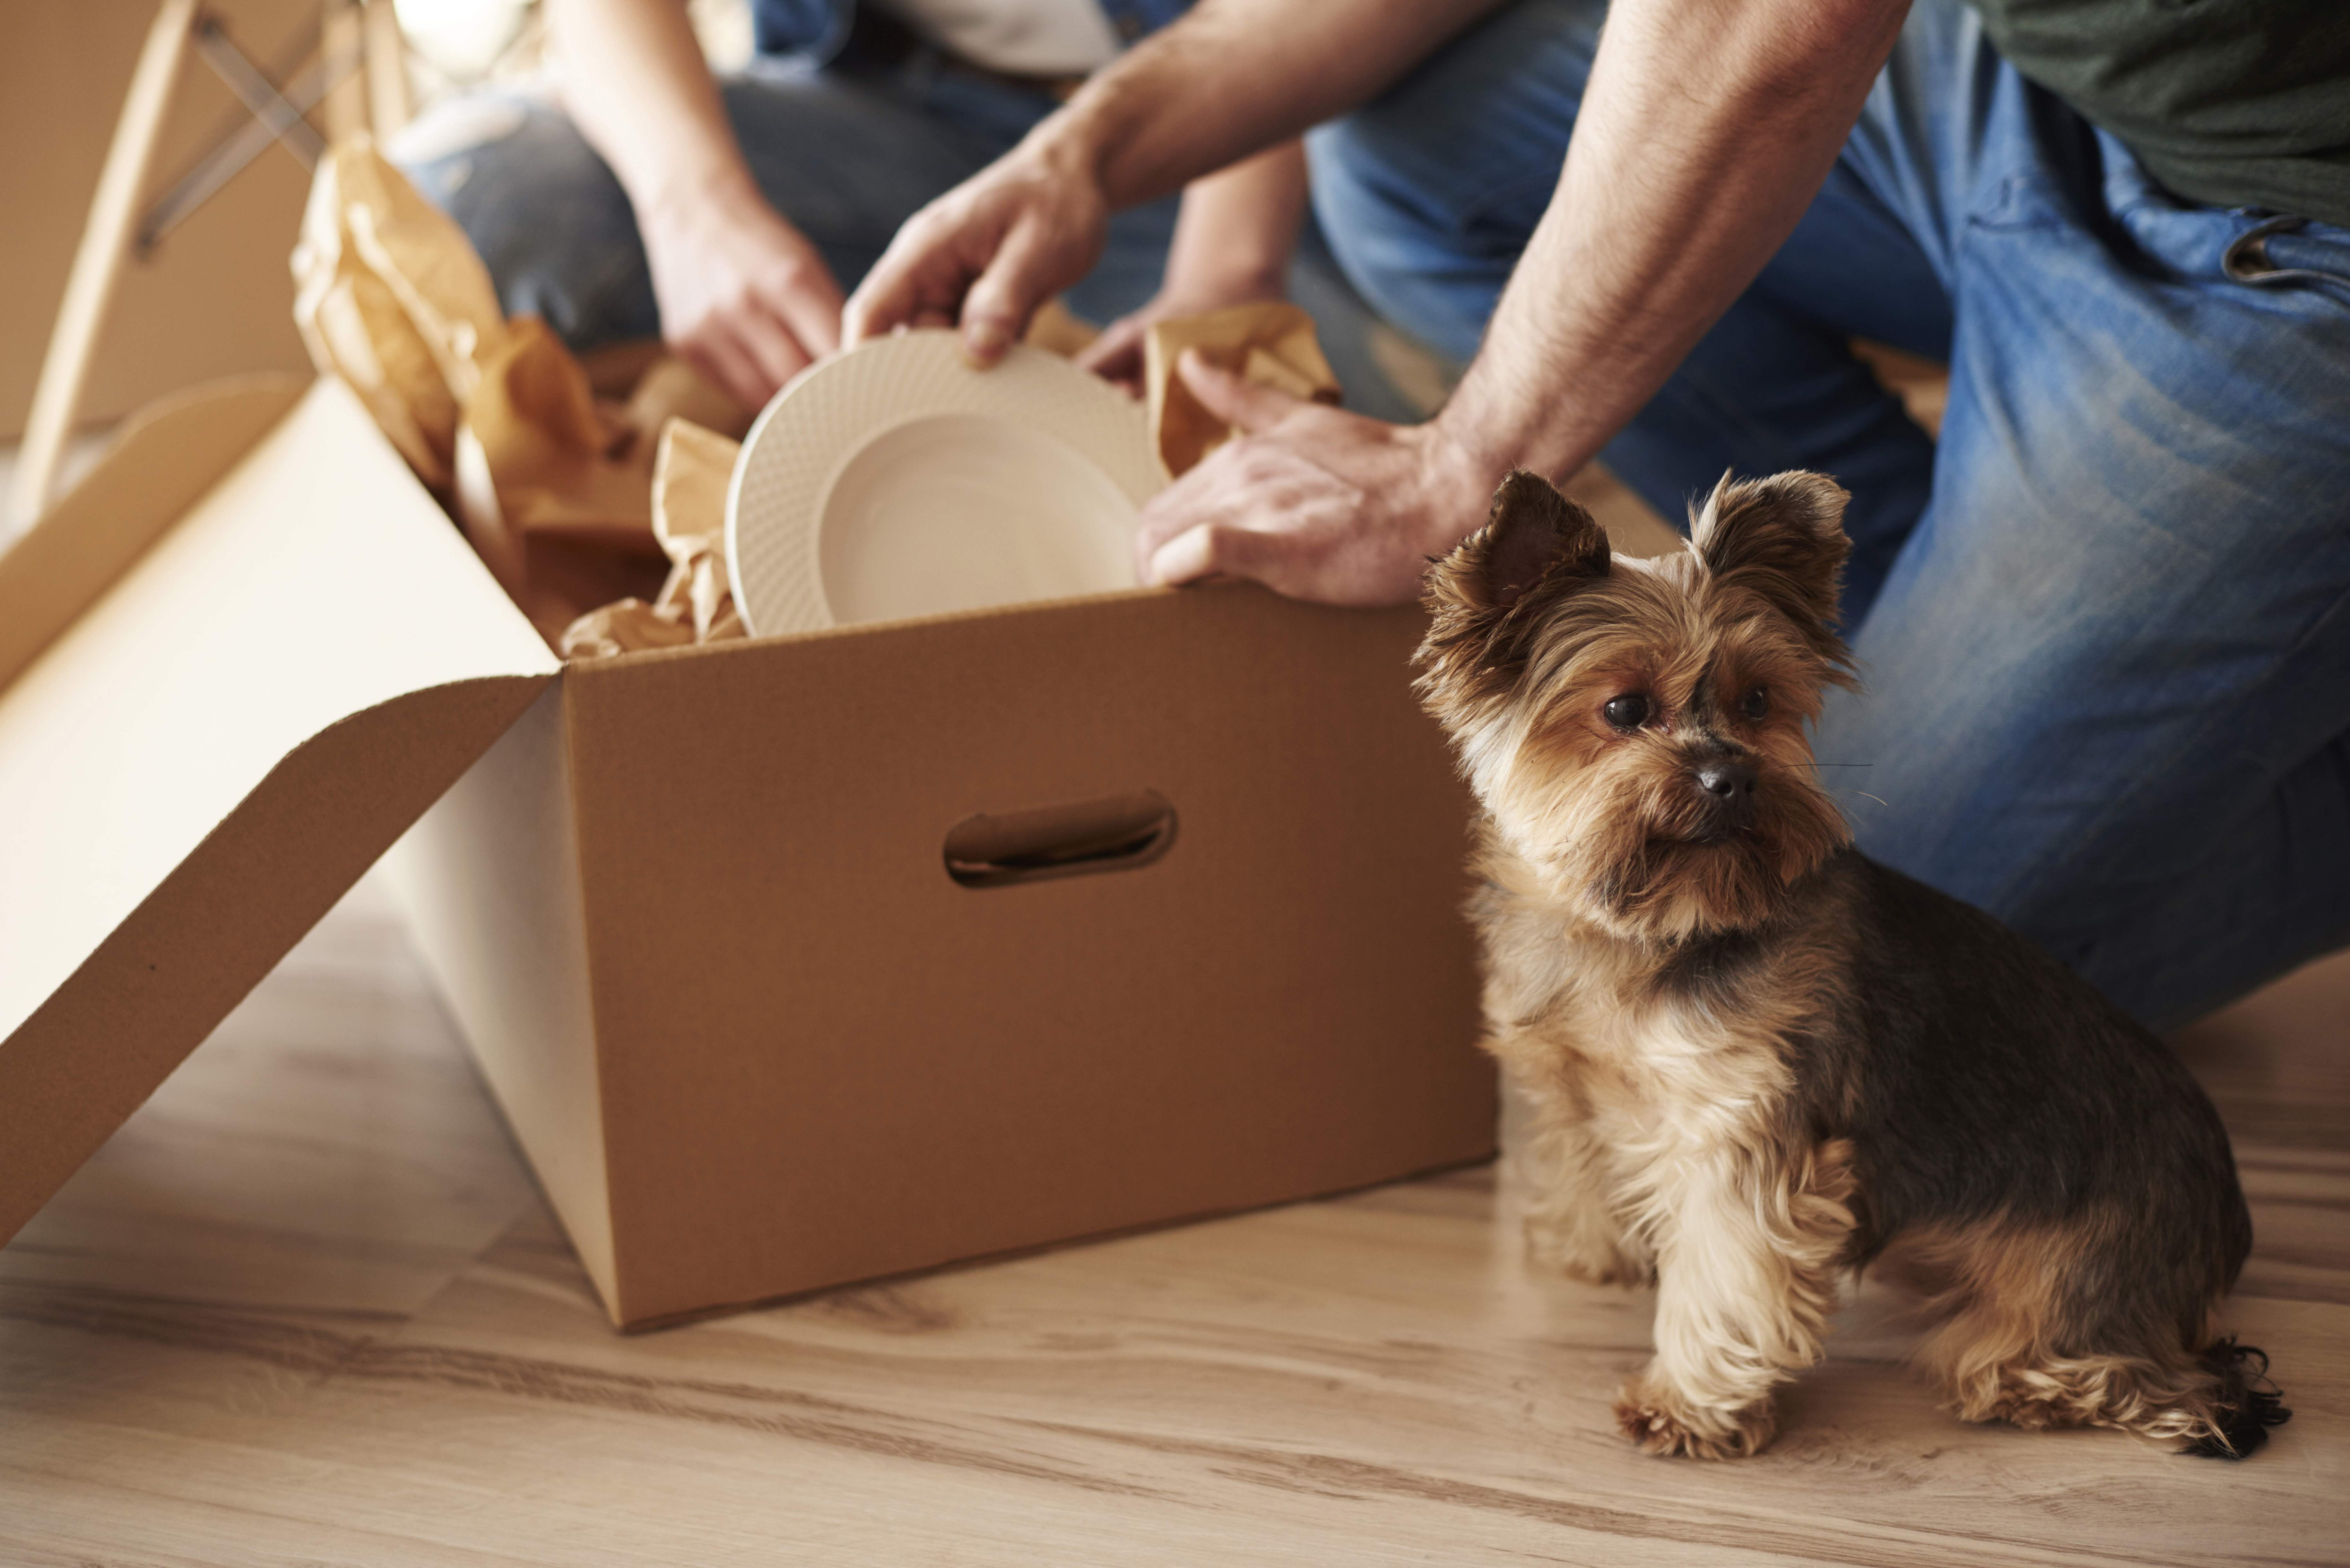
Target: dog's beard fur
x,y
1536,628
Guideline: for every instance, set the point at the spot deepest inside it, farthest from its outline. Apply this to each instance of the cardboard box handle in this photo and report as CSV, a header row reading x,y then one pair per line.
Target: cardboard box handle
x,y
1116,833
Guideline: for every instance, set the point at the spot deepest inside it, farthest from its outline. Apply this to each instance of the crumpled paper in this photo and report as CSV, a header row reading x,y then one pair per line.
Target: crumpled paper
x,y
1270,343
561,463
390,297
691,475
552,485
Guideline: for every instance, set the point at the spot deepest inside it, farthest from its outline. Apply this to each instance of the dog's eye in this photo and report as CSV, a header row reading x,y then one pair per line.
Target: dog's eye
x,y
1757,703
1627,713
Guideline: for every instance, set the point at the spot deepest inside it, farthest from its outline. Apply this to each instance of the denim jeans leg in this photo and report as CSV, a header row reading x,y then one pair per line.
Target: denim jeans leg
x,y
2266,896
1349,329
543,211
848,158
2109,673
1428,194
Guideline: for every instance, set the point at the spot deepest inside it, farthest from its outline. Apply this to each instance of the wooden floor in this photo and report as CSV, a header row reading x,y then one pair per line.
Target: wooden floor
x,y
307,1308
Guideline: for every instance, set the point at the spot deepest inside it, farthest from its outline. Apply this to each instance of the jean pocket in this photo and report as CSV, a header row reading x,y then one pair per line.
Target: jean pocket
x,y
2020,200
2043,166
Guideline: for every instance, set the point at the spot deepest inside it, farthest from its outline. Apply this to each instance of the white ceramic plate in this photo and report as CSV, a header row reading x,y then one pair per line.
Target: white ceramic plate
x,y
896,480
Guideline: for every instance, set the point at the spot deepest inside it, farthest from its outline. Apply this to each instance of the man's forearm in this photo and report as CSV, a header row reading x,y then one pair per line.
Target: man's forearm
x,y
1229,80
636,84
1707,128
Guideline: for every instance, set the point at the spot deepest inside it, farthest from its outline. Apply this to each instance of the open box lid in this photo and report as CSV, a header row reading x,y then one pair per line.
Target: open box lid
x,y
236,662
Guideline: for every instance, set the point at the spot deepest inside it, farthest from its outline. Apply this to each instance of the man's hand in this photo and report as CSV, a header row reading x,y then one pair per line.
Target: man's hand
x,y
1311,501
988,253
742,294
1225,82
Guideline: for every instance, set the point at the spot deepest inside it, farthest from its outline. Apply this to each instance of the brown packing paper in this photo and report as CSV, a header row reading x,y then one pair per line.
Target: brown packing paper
x,y
551,484
559,489
561,466
669,388
690,478
691,475
1058,329
390,297
537,473
1272,344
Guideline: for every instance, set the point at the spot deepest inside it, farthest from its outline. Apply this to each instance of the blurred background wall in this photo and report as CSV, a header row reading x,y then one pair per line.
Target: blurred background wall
x,y
215,296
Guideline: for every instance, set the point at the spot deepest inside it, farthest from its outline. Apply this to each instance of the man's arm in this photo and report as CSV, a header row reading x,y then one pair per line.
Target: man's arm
x,y
742,293
1706,129
1236,77
1232,78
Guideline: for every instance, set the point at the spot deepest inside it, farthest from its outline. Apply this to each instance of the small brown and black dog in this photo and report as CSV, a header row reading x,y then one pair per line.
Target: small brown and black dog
x,y
1758,1061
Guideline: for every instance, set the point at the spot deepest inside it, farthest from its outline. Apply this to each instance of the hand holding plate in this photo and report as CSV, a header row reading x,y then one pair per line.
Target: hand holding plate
x,y
988,253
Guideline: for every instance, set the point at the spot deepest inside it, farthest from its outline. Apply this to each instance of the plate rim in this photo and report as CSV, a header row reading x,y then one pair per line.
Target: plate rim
x,y
932,340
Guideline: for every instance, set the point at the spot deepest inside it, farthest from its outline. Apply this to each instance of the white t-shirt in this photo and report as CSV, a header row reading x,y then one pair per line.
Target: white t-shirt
x,y
1019,37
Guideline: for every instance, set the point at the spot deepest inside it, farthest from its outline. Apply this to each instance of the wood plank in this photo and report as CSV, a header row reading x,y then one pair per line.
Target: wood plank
x,y
307,1305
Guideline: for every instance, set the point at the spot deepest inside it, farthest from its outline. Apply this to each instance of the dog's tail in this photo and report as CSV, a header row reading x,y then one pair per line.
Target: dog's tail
x,y
2244,1406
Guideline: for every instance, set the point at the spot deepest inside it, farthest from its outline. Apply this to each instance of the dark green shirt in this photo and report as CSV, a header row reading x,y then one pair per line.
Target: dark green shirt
x,y
2231,103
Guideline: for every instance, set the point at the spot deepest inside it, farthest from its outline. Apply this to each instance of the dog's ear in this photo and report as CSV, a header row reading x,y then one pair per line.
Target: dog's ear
x,y
1533,538
1488,597
1784,538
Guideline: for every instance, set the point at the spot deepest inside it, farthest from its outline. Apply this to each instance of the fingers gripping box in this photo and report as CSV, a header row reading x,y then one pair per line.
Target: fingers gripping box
x,y
790,961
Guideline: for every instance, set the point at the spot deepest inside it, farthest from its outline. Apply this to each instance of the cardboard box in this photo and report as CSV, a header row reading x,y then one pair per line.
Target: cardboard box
x,y
791,962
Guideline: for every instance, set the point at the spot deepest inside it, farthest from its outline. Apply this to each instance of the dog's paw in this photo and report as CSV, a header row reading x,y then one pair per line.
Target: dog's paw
x,y
1664,1425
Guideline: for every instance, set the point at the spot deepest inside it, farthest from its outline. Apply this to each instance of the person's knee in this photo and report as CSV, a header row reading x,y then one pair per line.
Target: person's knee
x,y
541,209
1429,193
469,155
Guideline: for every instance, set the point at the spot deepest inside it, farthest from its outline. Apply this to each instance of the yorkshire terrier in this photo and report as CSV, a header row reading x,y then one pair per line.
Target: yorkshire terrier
x,y
1758,1061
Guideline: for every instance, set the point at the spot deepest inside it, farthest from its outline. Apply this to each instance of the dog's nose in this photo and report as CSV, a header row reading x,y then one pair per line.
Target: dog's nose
x,y
1728,784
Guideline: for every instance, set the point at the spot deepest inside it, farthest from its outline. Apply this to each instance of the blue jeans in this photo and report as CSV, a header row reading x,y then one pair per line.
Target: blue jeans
x,y
846,156
2106,623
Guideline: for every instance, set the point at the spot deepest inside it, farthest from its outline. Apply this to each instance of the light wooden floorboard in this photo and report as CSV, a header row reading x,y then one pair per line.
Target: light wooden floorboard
x,y
306,1307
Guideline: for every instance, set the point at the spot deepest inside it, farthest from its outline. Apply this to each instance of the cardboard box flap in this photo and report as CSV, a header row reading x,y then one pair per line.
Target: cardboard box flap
x,y
165,456
233,729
